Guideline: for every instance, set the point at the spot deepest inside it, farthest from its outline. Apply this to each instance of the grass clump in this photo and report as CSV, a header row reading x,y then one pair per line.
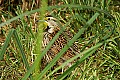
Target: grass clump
x,y
96,28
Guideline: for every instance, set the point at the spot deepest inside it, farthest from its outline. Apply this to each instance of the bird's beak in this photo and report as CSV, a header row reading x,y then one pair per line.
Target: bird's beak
x,y
45,18
45,25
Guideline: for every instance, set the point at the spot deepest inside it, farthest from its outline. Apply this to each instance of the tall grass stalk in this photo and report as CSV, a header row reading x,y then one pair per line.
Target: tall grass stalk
x,y
39,36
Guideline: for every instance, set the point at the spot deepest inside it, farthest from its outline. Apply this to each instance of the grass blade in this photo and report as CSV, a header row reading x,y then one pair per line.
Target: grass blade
x,y
83,7
21,51
86,55
6,43
17,17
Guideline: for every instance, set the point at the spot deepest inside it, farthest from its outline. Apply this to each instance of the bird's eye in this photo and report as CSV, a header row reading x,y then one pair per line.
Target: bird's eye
x,y
48,18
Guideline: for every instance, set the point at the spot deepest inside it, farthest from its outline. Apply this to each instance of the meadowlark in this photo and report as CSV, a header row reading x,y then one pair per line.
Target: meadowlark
x,y
49,32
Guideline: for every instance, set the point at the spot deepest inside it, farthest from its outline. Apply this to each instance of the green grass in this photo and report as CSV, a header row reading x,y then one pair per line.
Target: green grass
x,y
96,28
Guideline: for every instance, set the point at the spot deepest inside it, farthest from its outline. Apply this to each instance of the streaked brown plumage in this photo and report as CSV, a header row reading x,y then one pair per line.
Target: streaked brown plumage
x,y
58,44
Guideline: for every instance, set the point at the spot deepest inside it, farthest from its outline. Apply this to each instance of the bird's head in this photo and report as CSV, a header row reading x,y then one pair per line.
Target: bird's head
x,y
51,24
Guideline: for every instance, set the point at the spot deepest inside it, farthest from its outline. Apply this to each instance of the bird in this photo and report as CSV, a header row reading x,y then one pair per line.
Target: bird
x,y
50,31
